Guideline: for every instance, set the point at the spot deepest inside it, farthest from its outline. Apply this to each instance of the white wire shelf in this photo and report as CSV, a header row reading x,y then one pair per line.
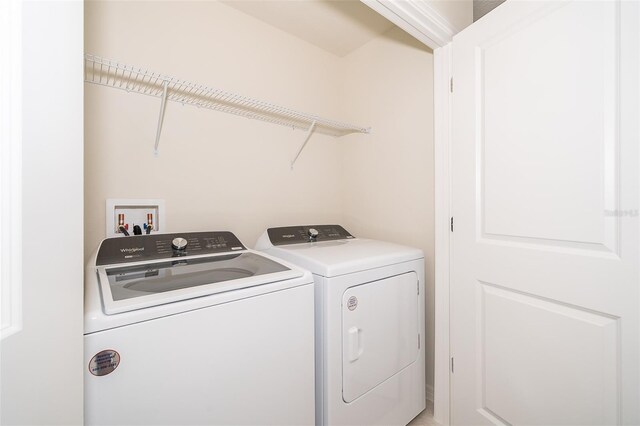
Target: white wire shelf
x,y
111,73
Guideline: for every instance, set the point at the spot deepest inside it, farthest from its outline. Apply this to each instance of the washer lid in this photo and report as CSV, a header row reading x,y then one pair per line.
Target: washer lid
x,y
143,284
339,257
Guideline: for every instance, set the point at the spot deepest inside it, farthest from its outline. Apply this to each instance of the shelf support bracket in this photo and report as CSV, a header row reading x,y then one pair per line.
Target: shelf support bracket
x,y
306,139
163,105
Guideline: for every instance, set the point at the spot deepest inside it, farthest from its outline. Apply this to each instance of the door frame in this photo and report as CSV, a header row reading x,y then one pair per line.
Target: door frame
x,y
442,87
422,21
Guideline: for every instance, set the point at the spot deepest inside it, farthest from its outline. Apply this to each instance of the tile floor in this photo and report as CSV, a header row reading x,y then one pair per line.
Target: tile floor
x,y
425,418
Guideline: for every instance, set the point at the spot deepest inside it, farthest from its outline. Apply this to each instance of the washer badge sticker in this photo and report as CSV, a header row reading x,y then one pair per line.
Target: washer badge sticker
x,y
104,362
352,303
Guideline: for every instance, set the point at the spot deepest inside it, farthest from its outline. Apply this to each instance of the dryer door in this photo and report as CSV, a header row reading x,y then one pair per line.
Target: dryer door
x,y
379,332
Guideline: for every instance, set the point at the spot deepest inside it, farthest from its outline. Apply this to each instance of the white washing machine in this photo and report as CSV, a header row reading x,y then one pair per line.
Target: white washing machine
x,y
369,312
194,328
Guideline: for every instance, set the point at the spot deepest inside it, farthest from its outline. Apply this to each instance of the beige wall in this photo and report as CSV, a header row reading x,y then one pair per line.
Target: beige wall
x,y
217,171
388,181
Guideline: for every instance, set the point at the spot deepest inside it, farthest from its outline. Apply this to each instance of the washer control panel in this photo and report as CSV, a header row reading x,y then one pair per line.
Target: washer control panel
x,y
307,234
162,246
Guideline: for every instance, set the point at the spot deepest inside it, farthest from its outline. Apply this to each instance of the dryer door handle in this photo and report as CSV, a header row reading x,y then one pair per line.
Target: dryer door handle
x,y
356,347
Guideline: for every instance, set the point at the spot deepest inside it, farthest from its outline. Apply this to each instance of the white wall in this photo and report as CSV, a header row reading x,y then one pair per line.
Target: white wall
x,y
41,366
215,171
459,13
388,180
482,7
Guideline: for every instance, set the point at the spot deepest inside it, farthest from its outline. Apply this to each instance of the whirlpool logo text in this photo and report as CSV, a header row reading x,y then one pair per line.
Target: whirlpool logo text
x,y
131,249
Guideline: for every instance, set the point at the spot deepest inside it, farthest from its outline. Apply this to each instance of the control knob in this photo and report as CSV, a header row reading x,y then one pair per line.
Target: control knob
x,y
179,243
313,234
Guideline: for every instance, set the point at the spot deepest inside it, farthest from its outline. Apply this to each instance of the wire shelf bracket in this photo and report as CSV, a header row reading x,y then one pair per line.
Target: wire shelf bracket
x,y
306,139
163,106
114,74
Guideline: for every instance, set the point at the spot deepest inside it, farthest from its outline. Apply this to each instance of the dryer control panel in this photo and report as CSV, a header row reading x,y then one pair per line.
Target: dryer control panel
x,y
161,246
307,234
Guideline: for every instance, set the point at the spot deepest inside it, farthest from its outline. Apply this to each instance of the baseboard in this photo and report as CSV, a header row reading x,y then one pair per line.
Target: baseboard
x,y
429,393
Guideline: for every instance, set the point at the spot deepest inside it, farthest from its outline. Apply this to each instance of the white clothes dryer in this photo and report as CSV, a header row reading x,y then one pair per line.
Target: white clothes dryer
x,y
369,316
194,329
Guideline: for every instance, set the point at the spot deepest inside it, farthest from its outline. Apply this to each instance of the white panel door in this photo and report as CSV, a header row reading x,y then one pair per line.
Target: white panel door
x,y
34,391
379,332
545,248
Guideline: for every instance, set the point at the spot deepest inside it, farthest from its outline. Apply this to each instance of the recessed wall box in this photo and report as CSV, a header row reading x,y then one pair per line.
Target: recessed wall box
x,y
129,212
